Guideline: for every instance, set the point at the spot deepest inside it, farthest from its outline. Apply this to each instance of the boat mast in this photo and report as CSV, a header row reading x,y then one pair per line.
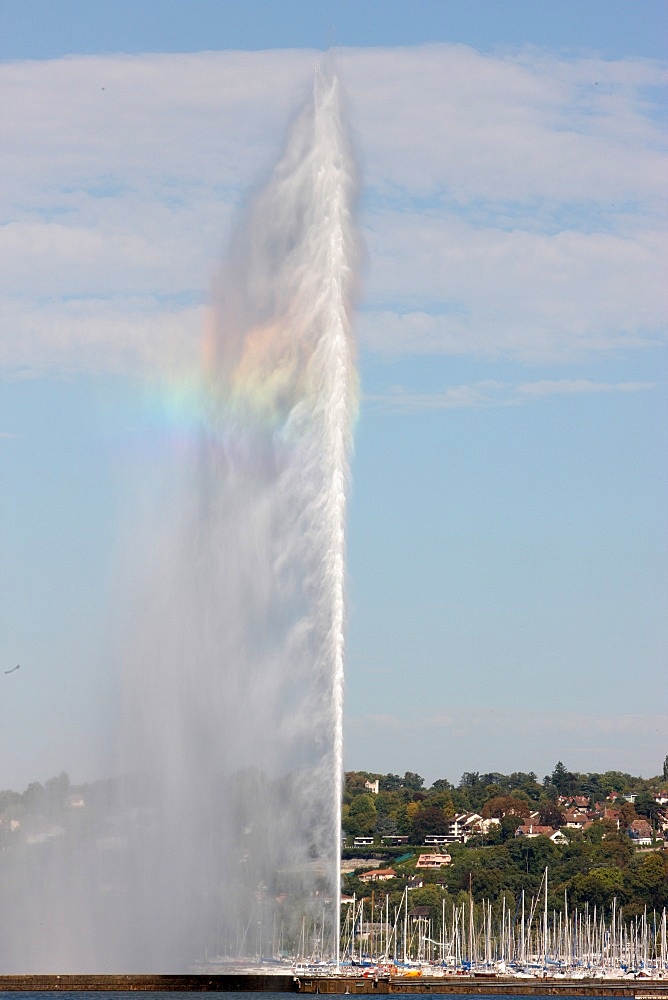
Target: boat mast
x,y
545,922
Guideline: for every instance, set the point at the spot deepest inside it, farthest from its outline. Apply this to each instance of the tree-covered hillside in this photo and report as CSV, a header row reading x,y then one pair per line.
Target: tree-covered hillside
x,y
598,861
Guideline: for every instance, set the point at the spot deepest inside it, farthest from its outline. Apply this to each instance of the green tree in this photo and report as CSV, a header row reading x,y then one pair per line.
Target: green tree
x,y
9,799
665,769
461,800
599,830
647,878
616,849
598,888
534,854
646,805
563,780
428,895
33,797
509,825
56,791
474,785
443,785
387,808
616,781
404,819
429,820
362,816
551,815
574,859
355,782
526,784
444,801
505,805
413,781
627,814
391,783
492,790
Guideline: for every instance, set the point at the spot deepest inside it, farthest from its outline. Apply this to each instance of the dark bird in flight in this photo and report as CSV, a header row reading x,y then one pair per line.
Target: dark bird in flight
x,y
13,669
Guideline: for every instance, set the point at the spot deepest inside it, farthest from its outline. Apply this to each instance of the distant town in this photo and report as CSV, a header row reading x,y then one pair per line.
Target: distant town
x,y
604,837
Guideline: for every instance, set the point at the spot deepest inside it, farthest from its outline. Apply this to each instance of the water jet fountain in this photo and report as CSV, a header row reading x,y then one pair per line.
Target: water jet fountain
x,y
250,619
227,837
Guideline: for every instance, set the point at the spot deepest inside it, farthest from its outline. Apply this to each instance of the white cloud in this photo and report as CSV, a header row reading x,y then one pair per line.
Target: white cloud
x,y
507,127
493,393
125,335
577,386
496,293
511,200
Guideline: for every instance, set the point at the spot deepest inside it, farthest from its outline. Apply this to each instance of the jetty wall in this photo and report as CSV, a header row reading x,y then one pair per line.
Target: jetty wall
x,y
348,985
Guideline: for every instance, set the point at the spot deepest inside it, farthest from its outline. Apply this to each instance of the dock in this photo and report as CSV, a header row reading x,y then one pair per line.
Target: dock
x,y
640,989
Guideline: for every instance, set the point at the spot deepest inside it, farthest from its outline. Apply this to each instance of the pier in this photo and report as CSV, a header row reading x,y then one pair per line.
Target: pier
x,y
640,989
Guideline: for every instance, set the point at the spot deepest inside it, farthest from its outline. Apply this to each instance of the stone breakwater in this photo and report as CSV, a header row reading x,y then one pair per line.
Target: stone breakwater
x,y
642,989
195,983
489,987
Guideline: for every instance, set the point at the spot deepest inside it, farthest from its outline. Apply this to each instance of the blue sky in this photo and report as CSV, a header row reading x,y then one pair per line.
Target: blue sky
x,y
507,532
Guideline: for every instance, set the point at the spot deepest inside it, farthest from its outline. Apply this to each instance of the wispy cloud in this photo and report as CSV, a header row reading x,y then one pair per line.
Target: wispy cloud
x,y
492,393
578,386
512,202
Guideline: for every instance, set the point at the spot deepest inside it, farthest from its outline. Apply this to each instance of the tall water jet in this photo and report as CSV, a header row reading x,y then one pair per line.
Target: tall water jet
x,y
246,732
226,838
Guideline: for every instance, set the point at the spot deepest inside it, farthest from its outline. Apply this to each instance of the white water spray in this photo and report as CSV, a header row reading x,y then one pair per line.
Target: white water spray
x,y
228,839
251,623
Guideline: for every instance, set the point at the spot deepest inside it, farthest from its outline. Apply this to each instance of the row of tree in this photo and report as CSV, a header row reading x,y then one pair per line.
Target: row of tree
x,y
405,806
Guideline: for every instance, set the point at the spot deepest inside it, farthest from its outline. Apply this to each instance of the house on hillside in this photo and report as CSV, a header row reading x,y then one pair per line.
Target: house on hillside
x,y
459,830
419,913
640,833
378,875
576,820
613,815
433,860
416,882
530,830
573,801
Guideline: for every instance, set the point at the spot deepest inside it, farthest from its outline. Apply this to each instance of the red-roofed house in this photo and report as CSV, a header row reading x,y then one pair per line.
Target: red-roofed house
x,y
612,815
378,875
530,830
640,833
576,820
